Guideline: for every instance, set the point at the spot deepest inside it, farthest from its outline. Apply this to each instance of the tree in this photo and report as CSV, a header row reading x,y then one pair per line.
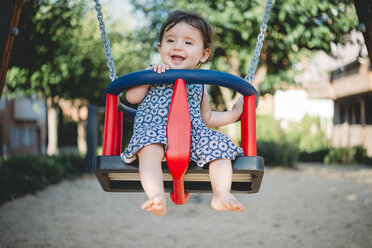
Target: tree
x,y
41,58
59,54
294,29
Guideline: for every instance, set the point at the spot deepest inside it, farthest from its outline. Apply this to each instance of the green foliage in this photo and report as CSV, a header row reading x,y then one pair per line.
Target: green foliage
x,y
59,52
309,134
309,138
337,155
43,49
269,129
27,173
314,156
278,153
304,141
343,155
273,144
294,27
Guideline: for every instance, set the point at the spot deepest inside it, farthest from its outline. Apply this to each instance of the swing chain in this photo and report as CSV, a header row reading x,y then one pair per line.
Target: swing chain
x,y
259,43
106,42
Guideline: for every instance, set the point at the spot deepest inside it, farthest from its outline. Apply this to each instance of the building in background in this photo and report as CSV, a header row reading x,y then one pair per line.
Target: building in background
x,y
22,126
349,85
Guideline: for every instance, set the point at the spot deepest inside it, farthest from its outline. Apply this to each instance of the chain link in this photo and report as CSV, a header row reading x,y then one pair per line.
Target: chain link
x,y
106,42
259,43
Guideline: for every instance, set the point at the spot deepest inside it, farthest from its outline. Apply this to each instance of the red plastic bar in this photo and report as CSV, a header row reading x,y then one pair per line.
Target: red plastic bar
x,y
119,133
109,132
178,140
244,127
248,126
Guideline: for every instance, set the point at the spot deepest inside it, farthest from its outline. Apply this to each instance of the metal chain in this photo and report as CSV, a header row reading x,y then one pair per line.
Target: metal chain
x,y
106,42
259,43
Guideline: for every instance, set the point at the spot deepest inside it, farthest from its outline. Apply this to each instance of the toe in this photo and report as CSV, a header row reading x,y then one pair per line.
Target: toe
x,y
157,201
147,204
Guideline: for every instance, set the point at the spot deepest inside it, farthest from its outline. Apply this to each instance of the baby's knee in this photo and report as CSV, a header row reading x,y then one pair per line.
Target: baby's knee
x,y
153,150
220,161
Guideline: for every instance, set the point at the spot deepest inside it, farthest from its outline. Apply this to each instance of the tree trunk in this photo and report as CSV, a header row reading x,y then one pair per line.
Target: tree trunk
x,y
92,137
259,76
364,11
81,137
52,148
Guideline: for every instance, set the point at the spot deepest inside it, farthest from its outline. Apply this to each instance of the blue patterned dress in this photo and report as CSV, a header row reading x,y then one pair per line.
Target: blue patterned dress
x,y
151,121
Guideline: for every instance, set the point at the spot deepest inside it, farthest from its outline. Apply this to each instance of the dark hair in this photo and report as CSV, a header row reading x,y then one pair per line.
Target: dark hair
x,y
192,19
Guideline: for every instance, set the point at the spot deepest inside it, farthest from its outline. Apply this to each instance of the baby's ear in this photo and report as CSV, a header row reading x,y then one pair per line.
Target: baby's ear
x,y
159,46
206,54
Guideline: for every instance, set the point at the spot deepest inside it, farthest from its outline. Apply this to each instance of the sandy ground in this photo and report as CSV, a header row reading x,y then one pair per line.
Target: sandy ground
x,y
313,206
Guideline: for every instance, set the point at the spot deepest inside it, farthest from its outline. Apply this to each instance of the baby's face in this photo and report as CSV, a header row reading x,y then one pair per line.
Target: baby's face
x,y
182,47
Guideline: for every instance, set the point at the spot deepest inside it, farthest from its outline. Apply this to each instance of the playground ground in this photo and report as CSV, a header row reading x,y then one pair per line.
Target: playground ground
x,y
312,206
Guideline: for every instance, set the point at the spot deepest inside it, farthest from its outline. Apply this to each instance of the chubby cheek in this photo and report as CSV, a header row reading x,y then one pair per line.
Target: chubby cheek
x,y
164,57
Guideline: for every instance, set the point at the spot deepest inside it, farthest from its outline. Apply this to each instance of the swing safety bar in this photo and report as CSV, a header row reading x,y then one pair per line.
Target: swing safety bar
x,y
248,170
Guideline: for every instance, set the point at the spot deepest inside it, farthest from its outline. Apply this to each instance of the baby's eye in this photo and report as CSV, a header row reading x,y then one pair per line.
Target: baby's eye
x,y
170,40
188,43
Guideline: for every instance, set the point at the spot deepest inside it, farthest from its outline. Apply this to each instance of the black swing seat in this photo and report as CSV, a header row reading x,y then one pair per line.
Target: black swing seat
x,y
116,176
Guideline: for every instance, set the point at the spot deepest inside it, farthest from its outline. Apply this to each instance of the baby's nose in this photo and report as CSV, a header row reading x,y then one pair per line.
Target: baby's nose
x,y
178,45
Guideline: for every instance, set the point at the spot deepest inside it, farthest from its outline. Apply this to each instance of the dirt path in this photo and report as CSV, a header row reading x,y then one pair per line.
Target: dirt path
x,y
313,206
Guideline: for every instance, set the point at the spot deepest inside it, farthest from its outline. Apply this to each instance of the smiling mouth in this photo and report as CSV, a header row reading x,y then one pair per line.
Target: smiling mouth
x,y
177,58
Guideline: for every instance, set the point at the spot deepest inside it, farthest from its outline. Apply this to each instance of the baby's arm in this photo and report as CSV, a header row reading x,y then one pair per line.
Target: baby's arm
x,y
218,119
136,95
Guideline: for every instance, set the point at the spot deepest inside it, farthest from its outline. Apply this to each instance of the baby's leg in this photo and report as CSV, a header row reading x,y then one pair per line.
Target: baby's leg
x,y
152,178
220,172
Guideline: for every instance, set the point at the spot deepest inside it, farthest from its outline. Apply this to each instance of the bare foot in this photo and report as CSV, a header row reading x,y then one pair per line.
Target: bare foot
x,y
225,201
155,205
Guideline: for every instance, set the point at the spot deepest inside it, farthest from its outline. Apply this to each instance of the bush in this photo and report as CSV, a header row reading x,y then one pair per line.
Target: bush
x,y
309,134
273,144
315,156
278,154
343,155
27,173
269,129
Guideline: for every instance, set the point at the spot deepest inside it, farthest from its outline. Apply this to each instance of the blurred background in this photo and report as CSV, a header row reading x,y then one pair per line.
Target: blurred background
x,y
314,79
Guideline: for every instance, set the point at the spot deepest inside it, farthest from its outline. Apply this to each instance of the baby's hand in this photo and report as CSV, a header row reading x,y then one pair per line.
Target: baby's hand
x,y
238,107
159,68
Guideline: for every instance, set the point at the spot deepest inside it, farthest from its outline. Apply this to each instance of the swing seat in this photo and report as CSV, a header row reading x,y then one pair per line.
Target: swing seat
x,y
116,176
